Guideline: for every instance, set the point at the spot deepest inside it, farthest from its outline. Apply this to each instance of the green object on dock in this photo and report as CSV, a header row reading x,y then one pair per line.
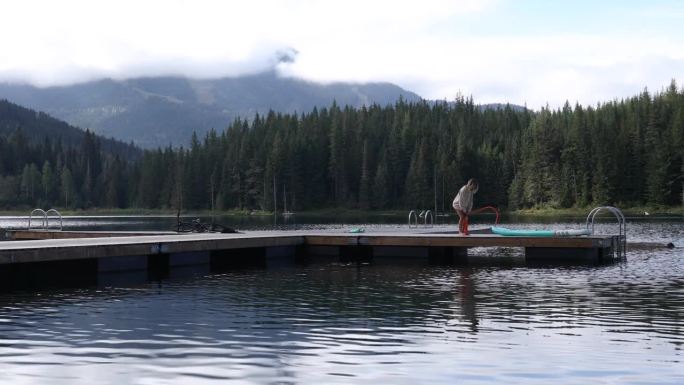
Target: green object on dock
x,y
521,233
357,230
538,233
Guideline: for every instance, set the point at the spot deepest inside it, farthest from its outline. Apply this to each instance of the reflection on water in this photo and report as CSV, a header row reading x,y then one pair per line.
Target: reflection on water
x,y
331,323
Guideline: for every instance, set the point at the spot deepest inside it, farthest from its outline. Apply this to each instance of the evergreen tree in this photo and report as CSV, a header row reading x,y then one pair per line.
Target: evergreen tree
x,y
658,159
381,194
48,182
364,188
403,156
66,185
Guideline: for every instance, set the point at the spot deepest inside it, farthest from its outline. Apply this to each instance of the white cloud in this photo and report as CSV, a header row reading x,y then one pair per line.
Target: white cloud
x,y
60,42
535,70
404,42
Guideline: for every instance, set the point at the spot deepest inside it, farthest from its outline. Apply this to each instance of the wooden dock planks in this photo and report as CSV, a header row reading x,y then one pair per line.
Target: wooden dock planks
x,y
86,248
119,246
448,240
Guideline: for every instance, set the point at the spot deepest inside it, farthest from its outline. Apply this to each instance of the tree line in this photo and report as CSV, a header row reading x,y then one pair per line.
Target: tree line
x,y
404,156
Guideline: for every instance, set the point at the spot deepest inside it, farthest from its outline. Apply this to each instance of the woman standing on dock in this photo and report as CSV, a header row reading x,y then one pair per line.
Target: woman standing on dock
x,y
463,203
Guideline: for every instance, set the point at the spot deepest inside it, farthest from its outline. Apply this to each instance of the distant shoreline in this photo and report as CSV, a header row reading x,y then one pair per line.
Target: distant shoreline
x,y
638,211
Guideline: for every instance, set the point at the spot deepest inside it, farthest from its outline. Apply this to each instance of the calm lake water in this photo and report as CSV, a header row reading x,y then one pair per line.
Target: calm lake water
x,y
383,323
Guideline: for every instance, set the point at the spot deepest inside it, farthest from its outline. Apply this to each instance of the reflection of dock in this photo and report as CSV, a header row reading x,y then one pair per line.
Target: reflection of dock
x,y
98,252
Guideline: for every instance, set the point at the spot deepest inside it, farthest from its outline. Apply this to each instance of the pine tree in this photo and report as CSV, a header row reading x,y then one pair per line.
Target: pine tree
x,y
365,182
380,195
66,185
658,160
48,183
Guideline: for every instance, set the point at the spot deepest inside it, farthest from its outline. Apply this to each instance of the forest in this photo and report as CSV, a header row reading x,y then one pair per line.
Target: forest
x,y
404,156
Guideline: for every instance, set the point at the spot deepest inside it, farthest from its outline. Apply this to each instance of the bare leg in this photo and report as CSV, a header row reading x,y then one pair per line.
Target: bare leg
x,y
461,221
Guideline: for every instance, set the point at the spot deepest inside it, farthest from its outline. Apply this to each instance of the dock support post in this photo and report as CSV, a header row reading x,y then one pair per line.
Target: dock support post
x,y
608,254
446,255
125,263
280,256
114,271
357,253
555,255
157,267
66,273
302,254
238,258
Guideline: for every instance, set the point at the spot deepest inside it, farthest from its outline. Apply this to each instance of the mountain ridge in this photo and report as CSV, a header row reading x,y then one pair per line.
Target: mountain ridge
x,y
161,111
36,127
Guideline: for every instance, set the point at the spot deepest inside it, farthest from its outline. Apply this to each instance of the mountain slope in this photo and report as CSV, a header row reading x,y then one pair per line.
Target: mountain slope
x,y
36,127
166,110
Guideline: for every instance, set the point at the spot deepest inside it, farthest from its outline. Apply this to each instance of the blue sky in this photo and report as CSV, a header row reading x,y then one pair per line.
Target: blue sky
x,y
523,52
530,17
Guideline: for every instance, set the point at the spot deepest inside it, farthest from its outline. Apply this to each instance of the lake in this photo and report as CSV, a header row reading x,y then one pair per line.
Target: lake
x,y
384,322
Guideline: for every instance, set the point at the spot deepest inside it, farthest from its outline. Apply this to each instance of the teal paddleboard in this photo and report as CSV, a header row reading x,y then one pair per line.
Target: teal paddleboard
x,y
538,233
521,233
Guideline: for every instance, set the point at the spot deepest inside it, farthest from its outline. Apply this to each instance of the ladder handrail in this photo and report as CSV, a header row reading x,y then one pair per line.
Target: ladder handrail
x,y
622,226
424,214
412,213
427,214
44,218
47,219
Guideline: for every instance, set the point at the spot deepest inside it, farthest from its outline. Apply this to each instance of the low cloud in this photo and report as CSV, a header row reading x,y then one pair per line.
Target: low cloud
x,y
425,47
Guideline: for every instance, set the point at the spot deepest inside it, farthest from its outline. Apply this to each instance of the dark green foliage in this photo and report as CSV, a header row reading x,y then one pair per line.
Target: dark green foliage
x,y
401,156
405,156
626,152
45,162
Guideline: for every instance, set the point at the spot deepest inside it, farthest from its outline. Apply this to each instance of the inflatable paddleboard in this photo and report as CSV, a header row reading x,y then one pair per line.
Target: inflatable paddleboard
x,y
539,233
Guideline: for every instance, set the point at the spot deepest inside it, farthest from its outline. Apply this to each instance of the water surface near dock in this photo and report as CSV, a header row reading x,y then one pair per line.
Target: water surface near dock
x,y
349,323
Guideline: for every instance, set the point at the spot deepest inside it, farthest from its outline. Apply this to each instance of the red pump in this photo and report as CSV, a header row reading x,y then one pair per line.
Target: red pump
x,y
476,211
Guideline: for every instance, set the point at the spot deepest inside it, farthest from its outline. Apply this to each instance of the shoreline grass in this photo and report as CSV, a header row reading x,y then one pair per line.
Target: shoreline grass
x,y
583,211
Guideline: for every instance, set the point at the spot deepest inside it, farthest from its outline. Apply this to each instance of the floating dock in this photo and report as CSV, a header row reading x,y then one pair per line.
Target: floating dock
x,y
58,257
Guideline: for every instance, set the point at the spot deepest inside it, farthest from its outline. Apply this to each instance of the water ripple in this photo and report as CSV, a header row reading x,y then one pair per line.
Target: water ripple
x,y
331,323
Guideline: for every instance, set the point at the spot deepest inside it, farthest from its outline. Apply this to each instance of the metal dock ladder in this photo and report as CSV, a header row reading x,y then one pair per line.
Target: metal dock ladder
x,y
425,214
621,247
45,215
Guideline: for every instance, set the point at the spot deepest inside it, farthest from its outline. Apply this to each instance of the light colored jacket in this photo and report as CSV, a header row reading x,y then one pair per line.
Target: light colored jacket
x,y
464,199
